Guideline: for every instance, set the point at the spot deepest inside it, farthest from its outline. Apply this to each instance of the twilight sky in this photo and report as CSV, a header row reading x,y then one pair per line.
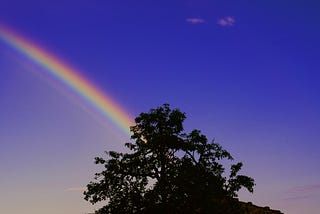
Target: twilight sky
x,y
245,72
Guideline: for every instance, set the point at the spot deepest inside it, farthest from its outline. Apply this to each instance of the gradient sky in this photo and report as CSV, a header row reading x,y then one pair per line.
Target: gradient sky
x,y
245,72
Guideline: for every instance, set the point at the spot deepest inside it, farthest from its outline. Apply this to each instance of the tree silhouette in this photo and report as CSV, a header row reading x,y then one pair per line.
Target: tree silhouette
x,y
167,171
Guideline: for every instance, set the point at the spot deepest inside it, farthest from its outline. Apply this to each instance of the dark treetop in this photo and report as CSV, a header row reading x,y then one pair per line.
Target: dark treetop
x,y
167,171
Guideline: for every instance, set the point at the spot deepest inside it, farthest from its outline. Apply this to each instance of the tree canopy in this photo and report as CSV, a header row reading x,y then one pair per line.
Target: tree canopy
x,y
167,171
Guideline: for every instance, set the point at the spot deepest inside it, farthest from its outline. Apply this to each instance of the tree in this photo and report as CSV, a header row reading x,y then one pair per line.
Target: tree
x,y
167,171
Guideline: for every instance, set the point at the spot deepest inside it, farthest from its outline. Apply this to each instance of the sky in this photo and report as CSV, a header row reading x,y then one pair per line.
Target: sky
x,y
245,73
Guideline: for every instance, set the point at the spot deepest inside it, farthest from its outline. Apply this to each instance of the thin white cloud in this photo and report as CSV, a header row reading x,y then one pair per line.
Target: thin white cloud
x,y
72,189
227,21
195,20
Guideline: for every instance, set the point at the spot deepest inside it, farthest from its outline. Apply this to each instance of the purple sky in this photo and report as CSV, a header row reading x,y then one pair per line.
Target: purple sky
x,y
246,74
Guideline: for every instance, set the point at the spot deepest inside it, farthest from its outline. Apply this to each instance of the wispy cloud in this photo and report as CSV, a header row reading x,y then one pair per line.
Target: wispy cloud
x,y
227,21
195,20
72,189
294,198
305,189
302,192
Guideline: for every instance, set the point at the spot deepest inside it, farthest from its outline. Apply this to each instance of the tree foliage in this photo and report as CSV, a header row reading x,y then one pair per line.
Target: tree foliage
x,y
167,171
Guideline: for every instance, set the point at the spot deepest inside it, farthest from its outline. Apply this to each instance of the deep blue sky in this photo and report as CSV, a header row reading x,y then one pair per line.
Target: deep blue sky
x,y
245,73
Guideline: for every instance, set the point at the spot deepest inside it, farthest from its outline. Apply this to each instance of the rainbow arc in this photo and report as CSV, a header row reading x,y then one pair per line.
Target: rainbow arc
x,y
69,77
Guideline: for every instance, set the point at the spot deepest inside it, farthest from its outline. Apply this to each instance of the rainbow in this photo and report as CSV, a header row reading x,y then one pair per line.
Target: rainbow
x,y
70,78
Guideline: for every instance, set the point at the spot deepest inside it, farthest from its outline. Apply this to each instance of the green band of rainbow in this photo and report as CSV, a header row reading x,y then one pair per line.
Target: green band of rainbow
x,y
69,77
